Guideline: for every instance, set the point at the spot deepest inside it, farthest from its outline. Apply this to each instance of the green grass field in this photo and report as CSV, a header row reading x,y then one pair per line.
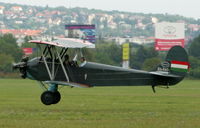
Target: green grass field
x,y
100,107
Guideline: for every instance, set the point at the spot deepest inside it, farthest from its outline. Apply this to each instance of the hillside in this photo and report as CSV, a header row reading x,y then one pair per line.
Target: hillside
x,y
108,23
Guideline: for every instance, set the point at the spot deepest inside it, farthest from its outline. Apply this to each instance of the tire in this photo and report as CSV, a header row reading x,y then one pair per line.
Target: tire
x,y
47,97
57,97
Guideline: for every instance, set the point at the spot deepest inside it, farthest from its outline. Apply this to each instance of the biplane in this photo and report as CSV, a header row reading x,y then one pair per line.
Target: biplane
x,y
51,69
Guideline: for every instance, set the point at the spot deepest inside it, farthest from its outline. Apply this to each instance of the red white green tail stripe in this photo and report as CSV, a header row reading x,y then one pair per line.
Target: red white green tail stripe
x,y
179,66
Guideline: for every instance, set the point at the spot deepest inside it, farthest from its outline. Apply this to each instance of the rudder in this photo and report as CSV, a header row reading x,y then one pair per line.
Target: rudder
x,y
178,59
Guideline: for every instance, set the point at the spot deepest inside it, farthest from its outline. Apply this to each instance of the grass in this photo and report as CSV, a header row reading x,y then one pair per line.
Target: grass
x,y
100,107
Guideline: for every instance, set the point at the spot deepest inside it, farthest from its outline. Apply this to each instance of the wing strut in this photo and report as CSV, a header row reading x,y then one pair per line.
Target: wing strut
x,y
53,53
64,70
64,50
47,67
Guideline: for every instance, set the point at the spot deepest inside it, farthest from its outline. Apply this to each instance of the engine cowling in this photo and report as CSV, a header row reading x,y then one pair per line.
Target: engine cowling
x,y
22,66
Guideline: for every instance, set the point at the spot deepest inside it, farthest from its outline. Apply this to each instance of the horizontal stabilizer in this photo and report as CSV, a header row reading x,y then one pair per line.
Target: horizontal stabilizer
x,y
166,74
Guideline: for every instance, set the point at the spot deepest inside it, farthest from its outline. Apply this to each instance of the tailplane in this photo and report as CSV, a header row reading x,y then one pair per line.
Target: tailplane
x,y
174,69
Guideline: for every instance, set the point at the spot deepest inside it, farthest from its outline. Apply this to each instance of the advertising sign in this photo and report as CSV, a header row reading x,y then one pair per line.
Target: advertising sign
x,y
85,32
28,51
168,35
125,51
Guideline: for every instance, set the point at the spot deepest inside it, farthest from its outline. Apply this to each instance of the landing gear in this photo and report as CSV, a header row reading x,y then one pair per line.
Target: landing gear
x,y
57,97
153,88
49,97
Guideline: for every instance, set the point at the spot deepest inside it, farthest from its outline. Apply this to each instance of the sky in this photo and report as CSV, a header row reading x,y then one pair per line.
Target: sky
x,y
188,8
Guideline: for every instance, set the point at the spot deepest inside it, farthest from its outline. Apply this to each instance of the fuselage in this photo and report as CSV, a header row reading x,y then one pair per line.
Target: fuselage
x,y
95,74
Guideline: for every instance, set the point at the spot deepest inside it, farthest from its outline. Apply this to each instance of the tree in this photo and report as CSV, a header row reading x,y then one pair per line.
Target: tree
x,y
141,55
108,53
194,47
27,38
151,64
194,57
195,72
194,62
194,67
9,46
26,43
9,52
9,38
151,52
6,62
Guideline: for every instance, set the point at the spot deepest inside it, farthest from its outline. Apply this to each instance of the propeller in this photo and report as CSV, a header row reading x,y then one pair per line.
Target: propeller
x,y
22,65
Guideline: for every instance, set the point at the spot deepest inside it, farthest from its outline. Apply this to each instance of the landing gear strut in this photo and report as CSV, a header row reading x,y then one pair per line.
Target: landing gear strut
x,y
49,97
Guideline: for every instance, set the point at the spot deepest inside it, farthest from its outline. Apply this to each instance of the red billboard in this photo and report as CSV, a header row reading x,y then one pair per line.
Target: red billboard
x,y
28,51
165,45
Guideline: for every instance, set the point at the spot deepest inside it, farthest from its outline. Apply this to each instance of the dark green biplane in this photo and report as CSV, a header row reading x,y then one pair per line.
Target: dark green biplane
x,y
50,70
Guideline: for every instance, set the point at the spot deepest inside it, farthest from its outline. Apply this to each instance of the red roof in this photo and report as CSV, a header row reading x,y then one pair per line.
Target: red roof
x,y
17,7
2,7
21,32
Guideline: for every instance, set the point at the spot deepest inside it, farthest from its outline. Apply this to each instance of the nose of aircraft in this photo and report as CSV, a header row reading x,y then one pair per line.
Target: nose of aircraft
x,y
22,65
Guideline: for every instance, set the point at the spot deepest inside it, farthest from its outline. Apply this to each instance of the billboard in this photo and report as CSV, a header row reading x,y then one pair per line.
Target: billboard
x,y
28,51
125,51
168,35
85,32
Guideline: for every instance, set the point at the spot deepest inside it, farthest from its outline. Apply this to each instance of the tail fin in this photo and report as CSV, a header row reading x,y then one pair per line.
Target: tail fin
x,y
174,69
178,59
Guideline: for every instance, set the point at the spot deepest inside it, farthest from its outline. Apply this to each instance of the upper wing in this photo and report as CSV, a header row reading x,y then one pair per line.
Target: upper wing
x,y
74,43
44,42
67,43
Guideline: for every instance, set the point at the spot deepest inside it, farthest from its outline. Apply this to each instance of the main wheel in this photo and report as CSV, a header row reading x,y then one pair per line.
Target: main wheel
x,y
47,97
57,97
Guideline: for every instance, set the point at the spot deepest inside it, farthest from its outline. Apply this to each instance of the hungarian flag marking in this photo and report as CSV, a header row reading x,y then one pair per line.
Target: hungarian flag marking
x,y
179,66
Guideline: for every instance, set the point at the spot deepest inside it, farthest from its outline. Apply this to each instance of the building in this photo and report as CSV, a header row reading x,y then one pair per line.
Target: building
x,y
2,9
16,9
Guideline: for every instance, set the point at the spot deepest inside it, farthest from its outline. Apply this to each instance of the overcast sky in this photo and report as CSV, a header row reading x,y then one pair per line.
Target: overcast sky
x,y
188,8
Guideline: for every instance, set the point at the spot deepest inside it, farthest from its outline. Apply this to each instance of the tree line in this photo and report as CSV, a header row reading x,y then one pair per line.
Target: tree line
x,y
194,58
10,52
142,57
